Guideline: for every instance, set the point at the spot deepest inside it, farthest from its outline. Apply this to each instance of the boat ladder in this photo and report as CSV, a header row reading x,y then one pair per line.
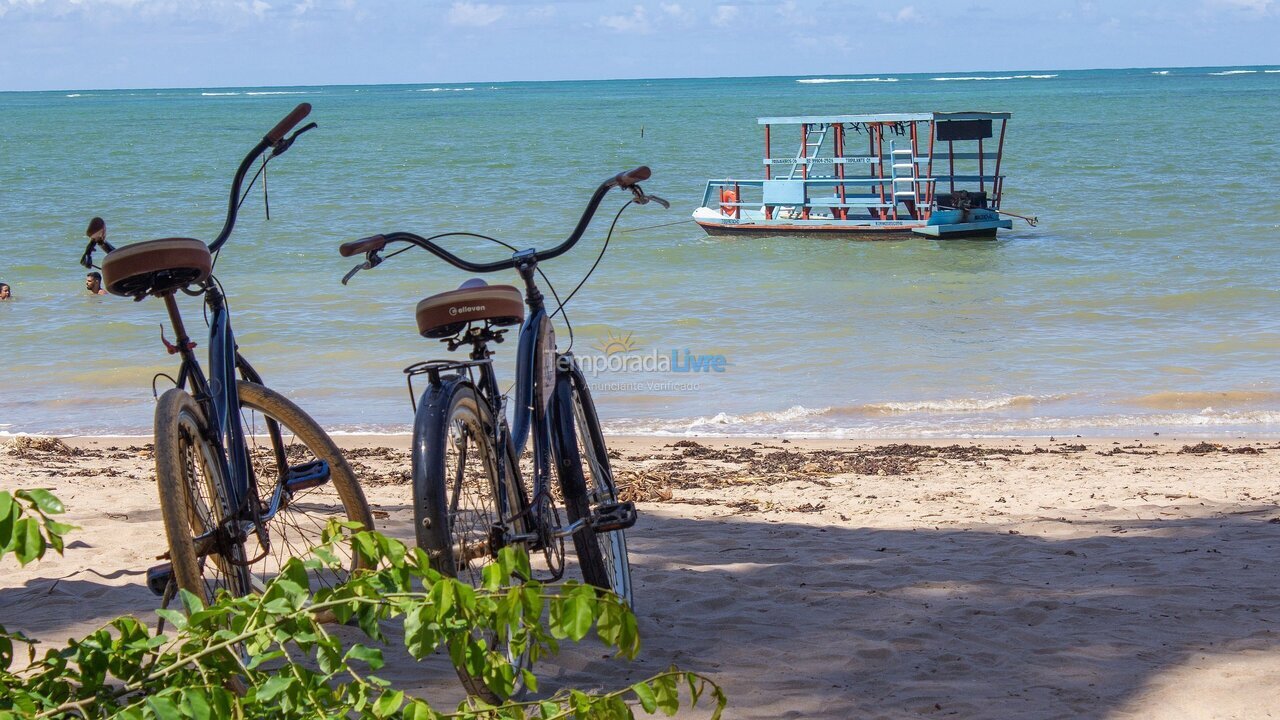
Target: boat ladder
x,y
904,170
809,147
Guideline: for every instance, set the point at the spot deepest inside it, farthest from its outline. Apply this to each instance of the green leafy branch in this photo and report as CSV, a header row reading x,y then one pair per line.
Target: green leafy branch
x,y
26,528
273,655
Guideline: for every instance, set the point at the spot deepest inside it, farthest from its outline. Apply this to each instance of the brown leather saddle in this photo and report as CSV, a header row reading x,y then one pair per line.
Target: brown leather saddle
x,y
447,313
156,266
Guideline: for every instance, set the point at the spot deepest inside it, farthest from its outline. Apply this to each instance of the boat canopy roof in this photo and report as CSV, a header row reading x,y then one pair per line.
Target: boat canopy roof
x,y
883,118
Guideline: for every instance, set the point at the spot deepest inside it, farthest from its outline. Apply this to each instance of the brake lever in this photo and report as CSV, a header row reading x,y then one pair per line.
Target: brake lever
x,y
643,198
665,205
372,262
285,143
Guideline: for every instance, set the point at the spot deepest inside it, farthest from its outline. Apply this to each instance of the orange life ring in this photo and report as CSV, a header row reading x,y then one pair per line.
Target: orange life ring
x,y
728,196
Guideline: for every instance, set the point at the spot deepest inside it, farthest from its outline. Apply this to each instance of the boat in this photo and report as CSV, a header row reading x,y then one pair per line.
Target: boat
x,y
877,176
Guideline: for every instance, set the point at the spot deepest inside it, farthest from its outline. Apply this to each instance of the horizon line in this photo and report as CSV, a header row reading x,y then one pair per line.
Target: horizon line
x,y
635,79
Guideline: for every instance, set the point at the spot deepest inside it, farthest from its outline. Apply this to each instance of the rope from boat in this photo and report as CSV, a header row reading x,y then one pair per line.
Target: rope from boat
x,y
651,227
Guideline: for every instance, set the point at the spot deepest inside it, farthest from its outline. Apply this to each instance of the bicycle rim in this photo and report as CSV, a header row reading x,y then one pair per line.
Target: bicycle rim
x,y
194,502
303,513
457,506
598,479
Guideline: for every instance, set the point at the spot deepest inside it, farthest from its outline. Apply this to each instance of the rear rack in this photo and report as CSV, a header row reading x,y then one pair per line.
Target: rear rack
x,y
433,368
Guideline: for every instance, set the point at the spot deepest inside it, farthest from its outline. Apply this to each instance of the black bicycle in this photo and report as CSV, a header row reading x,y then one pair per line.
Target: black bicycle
x,y
246,479
470,496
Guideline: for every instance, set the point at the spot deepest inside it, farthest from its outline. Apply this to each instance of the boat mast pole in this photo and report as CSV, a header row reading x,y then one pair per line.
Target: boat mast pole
x,y
878,133
843,212
768,171
997,186
804,168
933,186
982,178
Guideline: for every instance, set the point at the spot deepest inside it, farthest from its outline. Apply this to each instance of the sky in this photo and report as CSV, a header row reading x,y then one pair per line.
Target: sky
x,y
96,44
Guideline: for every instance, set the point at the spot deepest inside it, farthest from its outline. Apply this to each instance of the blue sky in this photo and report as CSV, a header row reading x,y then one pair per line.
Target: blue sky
x,y
82,44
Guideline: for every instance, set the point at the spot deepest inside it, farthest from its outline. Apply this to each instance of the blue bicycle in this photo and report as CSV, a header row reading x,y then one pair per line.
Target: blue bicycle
x,y
470,498
246,479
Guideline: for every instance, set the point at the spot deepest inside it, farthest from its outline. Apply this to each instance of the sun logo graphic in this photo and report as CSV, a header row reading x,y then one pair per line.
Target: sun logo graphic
x,y
615,344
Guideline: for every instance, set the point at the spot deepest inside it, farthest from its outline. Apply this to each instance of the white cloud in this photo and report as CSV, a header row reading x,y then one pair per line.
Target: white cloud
x,y
905,15
1257,7
636,22
793,15
469,14
257,7
725,15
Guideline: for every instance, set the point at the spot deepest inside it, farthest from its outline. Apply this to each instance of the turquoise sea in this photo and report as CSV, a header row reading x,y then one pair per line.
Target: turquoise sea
x,y
1146,301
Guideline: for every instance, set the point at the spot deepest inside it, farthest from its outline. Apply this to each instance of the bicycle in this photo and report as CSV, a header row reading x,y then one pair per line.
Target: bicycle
x,y
465,512
246,479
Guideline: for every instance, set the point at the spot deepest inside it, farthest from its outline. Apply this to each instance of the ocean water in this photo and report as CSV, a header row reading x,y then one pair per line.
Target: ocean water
x,y
1146,301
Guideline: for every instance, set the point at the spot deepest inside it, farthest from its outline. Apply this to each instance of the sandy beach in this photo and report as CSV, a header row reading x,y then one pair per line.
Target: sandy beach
x,y
1034,578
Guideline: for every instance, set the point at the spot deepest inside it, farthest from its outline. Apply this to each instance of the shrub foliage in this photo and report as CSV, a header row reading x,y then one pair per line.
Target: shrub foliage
x,y
277,654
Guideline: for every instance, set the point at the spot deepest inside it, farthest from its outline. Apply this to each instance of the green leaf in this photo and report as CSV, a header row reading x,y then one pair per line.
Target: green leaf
x,y
44,500
173,617
418,710
368,655
645,695
273,687
695,687
579,612
388,704
668,694
164,708
30,544
195,705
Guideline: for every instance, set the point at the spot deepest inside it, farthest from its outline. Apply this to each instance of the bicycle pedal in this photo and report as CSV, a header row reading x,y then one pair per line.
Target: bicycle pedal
x,y
613,516
304,477
159,577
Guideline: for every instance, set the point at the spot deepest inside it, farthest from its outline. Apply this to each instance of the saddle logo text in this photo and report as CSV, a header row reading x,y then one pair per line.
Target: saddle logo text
x,y
458,310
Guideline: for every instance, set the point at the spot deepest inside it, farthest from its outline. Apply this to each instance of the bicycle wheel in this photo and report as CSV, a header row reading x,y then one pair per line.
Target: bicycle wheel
x,y
587,480
194,501
285,445
459,500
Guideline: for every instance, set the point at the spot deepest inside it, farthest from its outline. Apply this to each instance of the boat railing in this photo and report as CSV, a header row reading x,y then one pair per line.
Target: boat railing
x,y
862,193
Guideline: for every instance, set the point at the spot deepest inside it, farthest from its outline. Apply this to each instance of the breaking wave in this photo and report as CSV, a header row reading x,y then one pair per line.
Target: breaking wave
x,y
1235,72
824,81
995,77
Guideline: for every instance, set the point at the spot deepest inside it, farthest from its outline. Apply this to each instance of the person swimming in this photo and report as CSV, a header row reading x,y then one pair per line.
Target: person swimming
x,y
93,283
5,292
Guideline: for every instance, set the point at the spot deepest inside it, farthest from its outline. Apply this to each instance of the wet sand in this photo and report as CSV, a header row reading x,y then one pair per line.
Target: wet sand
x,y
1008,578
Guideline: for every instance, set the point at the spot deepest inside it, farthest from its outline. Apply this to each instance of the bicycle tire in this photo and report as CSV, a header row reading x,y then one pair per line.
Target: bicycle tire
x,y
193,499
602,557
298,525
456,506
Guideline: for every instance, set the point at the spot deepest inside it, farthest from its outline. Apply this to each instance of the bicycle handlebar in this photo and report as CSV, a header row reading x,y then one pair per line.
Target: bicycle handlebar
x,y
284,126
631,177
272,139
373,244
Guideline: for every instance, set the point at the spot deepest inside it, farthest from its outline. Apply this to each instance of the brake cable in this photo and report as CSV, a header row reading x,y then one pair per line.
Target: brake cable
x,y
561,309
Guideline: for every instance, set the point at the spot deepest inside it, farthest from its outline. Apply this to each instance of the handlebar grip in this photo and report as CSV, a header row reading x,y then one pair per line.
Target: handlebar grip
x,y
631,177
355,247
278,132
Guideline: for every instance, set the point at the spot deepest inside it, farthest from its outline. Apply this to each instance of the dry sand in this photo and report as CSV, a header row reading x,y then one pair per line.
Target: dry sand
x,y
1002,579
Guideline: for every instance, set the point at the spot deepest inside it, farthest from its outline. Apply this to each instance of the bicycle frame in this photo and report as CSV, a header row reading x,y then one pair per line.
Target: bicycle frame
x,y
218,397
